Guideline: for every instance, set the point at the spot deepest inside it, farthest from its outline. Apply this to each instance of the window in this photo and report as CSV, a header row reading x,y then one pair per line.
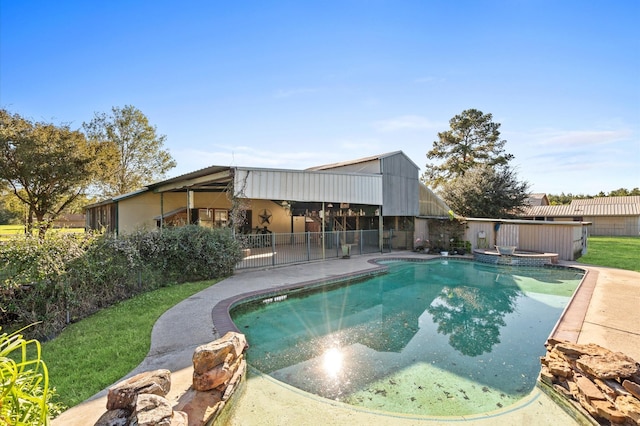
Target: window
x,y
221,217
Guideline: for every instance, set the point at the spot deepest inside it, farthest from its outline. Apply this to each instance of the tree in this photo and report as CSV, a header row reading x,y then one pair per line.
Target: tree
x,y
486,191
138,155
46,166
474,139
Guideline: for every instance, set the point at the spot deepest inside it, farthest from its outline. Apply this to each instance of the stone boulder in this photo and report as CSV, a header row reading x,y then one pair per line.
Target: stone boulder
x,y
153,410
605,384
124,394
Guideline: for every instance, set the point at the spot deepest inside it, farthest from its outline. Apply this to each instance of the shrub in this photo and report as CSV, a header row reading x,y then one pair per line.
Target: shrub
x,y
194,253
25,398
34,280
64,278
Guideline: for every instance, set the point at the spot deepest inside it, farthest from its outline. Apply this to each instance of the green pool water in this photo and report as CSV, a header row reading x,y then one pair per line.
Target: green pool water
x,y
439,338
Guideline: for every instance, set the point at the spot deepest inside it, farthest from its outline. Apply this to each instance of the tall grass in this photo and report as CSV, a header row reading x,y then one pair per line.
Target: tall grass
x,y
614,252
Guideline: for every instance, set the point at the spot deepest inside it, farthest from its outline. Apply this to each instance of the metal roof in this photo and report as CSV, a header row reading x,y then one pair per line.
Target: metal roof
x,y
361,160
602,206
633,199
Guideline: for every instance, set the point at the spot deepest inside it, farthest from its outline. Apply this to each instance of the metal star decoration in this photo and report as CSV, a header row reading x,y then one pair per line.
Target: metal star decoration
x,y
265,217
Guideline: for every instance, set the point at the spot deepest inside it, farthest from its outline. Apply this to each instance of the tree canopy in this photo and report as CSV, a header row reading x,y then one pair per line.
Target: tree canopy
x,y
46,166
139,157
474,139
484,191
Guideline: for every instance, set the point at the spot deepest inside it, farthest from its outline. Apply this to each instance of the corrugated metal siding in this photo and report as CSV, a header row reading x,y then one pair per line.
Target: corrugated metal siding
x,y
608,209
563,239
309,186
632,199
509,235
549,239
430,204
372,166
400,190
614,225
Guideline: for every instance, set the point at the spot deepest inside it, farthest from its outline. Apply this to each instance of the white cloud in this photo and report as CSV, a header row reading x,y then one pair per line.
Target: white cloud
x,y
580,137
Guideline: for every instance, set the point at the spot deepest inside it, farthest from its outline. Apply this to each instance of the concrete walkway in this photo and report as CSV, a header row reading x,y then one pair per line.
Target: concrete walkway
x,y
605,311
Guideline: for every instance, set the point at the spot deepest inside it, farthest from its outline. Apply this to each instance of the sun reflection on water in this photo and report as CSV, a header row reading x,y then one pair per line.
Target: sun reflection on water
x,y
332,362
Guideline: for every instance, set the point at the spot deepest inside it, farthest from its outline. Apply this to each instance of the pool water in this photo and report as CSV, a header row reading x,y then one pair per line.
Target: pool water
x,y
438,338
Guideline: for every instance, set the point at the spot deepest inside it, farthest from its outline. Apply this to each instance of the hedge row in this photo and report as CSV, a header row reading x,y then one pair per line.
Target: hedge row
x,y
64,278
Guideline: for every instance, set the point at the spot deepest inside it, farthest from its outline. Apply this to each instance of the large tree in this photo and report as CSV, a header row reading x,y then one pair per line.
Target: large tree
x,y
486,191
474,139
140,158
46,166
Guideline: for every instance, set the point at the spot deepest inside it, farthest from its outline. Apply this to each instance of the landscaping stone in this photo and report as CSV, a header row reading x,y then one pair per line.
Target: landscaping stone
x,y
153,410
605,383
610,365
117,417
206,357
125,393
218,370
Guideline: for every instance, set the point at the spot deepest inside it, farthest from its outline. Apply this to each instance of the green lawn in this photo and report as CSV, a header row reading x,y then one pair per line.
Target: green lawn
x,y
94,353
8,231
616,252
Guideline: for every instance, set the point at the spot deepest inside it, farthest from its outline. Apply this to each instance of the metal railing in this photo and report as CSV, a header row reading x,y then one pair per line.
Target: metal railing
x,y
264,250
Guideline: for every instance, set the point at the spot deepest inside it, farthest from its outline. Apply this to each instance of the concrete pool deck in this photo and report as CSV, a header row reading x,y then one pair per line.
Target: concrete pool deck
x,y
604,311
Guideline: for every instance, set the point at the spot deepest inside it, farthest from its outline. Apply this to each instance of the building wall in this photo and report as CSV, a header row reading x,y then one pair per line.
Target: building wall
x,y
310,186
400,191
565,239
614,225
371,166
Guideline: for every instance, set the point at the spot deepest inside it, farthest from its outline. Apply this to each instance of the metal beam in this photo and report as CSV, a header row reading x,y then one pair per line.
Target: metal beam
x,y
188,183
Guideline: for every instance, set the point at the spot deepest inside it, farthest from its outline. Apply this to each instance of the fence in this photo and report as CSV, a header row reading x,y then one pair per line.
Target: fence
x,y
264,250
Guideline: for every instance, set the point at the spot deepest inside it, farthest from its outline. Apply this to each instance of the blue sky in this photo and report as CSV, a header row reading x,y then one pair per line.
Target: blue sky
x,y
293,84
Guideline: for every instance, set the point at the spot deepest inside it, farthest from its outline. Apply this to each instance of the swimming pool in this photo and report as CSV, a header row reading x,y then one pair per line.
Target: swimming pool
x,y
441,337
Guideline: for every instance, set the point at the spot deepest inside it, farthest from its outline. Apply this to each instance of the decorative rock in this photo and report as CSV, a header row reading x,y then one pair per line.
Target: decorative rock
x,y
608,366
546,376
588,389
561,369
124,393
231,387
608,411
117,417
208,356
217,376
200,406
575,350
180,418
632,387
153,410
629,406
605,383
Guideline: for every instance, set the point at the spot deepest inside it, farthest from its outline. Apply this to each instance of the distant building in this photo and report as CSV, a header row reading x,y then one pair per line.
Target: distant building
x,y
609,216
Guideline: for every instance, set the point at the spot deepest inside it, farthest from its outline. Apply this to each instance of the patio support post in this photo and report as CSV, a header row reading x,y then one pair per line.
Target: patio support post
x,y
161,211
324,236
380,229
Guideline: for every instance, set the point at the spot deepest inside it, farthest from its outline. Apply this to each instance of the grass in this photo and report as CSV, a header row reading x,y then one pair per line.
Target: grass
x,y
8,231
615,252
94,353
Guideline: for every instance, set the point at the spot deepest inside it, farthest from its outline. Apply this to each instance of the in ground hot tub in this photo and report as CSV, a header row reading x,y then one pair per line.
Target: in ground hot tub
x,y
517,257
